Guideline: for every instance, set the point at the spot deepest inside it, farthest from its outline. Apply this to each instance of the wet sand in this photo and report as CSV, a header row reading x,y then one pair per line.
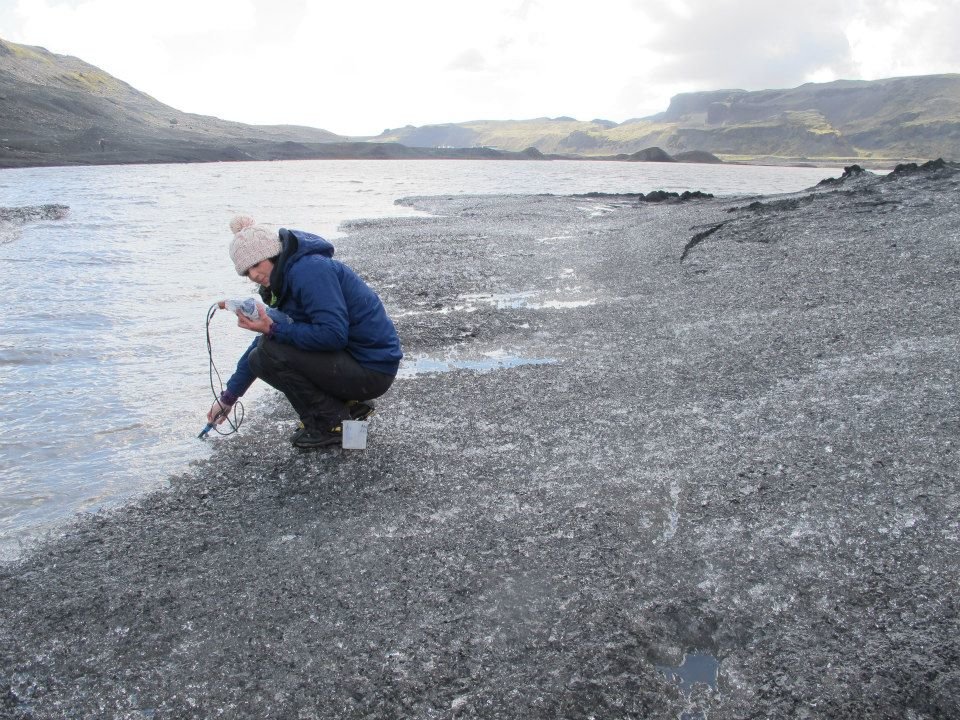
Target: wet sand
x,y
601,459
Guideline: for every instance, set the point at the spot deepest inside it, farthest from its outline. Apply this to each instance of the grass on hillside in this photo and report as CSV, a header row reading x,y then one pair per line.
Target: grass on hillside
x,y
92,81
26,53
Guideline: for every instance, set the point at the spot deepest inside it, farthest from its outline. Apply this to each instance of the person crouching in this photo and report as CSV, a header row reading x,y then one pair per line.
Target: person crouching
x,y
325,340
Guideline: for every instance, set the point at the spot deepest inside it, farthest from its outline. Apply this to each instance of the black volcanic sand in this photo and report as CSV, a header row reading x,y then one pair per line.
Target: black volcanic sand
x,y
749,456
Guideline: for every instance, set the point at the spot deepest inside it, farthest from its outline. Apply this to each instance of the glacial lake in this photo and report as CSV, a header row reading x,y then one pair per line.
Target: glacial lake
x,y
103,360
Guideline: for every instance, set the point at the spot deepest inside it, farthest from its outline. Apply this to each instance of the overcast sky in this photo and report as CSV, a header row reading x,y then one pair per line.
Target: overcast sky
x,y
356,67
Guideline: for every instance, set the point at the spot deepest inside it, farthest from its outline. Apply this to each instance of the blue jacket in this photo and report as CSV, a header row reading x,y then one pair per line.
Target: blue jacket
x,y
323,306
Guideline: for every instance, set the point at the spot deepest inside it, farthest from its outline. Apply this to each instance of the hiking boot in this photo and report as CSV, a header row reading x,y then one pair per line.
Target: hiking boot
x,y
316,439
301,428
359,410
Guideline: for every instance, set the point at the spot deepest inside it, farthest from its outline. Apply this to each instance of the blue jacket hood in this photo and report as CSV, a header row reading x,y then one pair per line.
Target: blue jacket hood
x,y
294,244
297,243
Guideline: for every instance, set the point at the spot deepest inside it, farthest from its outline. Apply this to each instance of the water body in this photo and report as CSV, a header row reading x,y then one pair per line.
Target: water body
x,y
697,668
103,366
419,365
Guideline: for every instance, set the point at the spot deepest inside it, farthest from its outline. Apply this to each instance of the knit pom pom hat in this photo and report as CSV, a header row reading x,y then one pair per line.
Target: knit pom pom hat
x,y
251,243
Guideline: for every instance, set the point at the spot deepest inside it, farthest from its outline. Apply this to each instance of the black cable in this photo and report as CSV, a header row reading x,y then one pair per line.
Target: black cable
x,y
238,406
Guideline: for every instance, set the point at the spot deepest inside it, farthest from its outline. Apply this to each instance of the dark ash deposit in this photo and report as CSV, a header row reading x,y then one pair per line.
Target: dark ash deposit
x,y
12,219
748,457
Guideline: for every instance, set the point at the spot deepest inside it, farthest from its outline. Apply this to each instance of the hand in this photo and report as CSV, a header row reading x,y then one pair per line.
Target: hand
x,y
218,412
262,325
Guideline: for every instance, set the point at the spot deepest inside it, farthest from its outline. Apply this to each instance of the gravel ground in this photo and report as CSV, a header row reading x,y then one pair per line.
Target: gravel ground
x,y
691,460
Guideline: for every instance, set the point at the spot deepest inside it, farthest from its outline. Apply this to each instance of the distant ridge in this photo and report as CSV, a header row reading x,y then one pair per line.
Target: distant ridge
x,y
57,109
907,118
60,110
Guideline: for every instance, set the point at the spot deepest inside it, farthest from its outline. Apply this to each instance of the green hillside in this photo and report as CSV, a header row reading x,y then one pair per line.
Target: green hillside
x,y
59,110
904,118
56,109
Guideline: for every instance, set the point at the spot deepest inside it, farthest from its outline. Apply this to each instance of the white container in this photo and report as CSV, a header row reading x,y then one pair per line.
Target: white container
x,y
354,434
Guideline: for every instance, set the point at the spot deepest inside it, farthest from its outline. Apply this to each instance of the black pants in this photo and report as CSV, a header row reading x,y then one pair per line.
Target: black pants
x,y
317,384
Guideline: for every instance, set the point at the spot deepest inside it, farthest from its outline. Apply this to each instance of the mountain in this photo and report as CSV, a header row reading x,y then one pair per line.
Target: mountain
x,y
904,118
59,110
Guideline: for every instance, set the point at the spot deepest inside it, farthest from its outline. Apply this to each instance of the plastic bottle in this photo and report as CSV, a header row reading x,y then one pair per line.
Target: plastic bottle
x,y
247,308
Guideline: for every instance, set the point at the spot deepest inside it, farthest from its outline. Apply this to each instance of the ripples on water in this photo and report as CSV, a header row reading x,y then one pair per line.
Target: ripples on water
x,y
103,379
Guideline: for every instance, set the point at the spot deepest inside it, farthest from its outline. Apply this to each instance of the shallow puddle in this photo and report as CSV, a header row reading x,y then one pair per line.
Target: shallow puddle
x,y
597,210
698,668
526,300
422,365
504,301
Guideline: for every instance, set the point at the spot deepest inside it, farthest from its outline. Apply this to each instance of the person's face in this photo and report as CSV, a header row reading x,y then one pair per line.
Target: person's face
x,y
260,273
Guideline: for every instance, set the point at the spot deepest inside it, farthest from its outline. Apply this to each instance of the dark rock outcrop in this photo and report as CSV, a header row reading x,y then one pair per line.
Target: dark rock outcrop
x,y
850,172
663,196
698,238
650,154
871,193
929,166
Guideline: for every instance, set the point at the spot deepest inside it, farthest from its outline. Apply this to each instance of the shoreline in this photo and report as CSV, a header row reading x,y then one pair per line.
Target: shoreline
x,y
741,449
761,161
559,178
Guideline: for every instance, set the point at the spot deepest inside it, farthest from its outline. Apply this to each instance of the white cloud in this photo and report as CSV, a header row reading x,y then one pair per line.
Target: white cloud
x,y
471,60
890,39
753,44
